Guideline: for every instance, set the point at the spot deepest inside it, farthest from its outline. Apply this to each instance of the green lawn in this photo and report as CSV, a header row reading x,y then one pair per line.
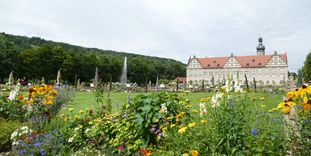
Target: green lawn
x,y
83,100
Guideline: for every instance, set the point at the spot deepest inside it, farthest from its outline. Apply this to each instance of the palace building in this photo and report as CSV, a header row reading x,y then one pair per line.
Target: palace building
x,y
266,69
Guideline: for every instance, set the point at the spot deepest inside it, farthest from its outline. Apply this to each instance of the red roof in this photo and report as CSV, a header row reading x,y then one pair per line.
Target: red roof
x,y
255,61
213,62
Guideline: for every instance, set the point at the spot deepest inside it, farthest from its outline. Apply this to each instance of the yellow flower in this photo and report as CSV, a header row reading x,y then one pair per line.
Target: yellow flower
x,y
29,101
191,124
81,111
194,153
70,109
77,117
47,101
195,111
202,100
285,110
262,106
182,130
254,98
178,116
203,121
173,125
185,154
290,95
262,98
285,106
169,118
181,102
189,106
164,128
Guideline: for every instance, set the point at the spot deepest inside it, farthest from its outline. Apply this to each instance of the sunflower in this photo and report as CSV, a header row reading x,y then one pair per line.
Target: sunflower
x,y
285,106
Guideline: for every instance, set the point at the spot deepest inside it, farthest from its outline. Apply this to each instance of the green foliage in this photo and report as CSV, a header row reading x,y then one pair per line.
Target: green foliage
x,y
28,57
12,110
64,96
236,127
299,78
306,68
152,111
7,128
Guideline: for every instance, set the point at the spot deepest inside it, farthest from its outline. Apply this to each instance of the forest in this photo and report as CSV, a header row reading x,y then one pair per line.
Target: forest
x,y
34,58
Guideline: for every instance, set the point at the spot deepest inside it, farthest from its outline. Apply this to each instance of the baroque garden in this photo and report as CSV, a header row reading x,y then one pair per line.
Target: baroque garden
x,y
227,106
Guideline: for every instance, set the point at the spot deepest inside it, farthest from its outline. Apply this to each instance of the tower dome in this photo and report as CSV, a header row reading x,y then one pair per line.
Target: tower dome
x,y
260,48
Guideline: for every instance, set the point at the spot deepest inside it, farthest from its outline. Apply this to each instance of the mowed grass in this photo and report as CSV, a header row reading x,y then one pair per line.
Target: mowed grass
x,y
83,100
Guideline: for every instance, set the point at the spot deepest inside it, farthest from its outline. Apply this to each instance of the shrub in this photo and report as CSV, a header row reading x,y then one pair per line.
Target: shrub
x,y
7,128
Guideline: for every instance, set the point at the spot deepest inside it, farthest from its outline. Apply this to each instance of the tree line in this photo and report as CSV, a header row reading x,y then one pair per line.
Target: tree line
x,y
35,58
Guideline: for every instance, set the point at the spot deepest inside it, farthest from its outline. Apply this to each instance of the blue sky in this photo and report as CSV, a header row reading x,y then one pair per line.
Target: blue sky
x,y
174,29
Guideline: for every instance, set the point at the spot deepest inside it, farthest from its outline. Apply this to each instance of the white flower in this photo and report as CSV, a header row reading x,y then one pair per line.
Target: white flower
x,y
70,139
13,93
87,130
14,134
163,108
24,128
202,108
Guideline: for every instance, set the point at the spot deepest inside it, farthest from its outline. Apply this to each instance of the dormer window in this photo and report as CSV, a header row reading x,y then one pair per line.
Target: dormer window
x,y
259,64
218,65
247,64
208,65
253,60
214,61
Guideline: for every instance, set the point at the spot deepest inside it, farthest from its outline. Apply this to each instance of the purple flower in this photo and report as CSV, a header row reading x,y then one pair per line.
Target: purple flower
x,y
42,152
21,152
38,144
254,132
120,148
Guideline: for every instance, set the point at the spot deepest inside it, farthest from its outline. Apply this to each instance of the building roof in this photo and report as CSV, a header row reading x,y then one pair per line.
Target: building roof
x,y
213,62
255,61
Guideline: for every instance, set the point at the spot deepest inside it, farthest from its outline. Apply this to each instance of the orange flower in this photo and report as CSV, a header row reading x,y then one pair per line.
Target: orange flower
x,y
145,152
306,104
20,97
194,153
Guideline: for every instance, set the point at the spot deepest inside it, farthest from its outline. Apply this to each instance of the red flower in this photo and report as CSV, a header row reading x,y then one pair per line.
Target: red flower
x,y
120,148
31,90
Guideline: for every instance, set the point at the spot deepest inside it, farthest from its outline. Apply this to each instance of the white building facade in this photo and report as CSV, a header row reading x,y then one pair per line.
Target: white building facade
x,y
266,69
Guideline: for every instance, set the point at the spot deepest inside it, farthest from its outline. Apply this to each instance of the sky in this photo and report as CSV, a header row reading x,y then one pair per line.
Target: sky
x,y
174,29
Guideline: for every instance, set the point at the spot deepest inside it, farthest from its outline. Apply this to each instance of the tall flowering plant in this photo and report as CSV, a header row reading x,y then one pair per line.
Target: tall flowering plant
x,y
296,109
39,102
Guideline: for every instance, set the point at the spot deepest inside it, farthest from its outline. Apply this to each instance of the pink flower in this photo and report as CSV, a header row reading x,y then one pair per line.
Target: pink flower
x,y
120,148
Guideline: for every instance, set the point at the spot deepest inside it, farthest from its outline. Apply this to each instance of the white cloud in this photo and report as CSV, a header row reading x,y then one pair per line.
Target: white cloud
x,y
167,28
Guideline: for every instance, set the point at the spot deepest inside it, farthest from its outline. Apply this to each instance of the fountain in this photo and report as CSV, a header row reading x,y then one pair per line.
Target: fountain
x,y
123,78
